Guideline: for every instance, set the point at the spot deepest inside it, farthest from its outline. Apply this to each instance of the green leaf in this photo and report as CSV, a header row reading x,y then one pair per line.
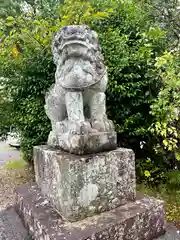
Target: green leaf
x,y
165,142
147,173
177,154
10,18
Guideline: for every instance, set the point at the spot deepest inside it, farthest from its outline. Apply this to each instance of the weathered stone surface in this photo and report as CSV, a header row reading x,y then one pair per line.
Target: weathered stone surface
x,y
82,186
139,220
76,103
87,143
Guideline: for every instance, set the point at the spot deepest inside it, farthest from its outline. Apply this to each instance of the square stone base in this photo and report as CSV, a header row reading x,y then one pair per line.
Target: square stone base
x,y
81,186
139,220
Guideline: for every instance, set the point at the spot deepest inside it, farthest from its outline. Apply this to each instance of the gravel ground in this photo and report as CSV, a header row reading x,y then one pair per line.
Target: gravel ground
x,y
9,179
13,172
11,226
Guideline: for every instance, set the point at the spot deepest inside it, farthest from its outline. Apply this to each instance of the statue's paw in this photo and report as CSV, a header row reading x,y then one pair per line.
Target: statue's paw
x,y
93,130
85,127
104,125
99,126
81,127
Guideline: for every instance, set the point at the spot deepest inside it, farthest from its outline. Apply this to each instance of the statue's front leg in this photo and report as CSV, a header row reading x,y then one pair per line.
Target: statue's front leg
x,y
55,110
99,118
75,113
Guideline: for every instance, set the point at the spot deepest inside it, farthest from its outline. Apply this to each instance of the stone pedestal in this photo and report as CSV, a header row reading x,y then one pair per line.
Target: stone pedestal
x,y
89,197
81,186
139,220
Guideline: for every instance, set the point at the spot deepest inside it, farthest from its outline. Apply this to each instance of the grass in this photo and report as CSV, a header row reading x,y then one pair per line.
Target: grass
x,y
171,197
16,164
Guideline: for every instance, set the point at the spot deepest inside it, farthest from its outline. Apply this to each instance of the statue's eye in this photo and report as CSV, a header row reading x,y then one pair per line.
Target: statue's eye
x,y
64,28
72,31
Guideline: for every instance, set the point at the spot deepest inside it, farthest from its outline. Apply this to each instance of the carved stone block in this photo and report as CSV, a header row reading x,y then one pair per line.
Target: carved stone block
x,y
142,219
81,186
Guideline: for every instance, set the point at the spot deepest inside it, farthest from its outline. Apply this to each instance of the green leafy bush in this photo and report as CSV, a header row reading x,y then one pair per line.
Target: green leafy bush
x,y
166,108
166,14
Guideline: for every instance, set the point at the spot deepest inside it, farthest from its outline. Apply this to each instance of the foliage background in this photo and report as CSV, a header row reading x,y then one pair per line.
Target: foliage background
x,y
143,91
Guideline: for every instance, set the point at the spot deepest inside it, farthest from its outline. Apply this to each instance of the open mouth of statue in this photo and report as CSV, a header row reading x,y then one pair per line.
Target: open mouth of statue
x,y
76,49
75,42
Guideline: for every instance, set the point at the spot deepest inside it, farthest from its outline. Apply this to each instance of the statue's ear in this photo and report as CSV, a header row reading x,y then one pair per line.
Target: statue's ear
x,y
55,57
54,47
55,53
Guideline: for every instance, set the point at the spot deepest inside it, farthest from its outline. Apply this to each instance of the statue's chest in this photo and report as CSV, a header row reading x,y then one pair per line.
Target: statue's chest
x,y
77,76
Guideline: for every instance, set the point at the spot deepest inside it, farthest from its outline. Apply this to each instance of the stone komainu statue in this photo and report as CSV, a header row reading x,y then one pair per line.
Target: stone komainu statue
x,y
76,103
